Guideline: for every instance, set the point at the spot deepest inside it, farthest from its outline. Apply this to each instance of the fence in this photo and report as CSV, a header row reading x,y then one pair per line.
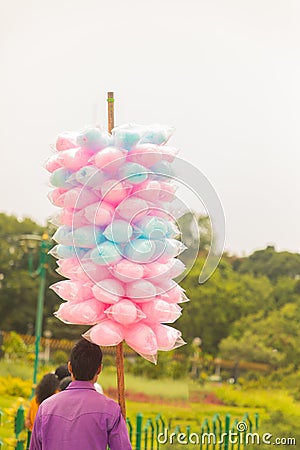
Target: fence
x,y
159,434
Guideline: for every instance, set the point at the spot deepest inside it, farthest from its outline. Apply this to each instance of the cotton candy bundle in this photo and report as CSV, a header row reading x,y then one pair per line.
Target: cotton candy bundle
x,y
117,242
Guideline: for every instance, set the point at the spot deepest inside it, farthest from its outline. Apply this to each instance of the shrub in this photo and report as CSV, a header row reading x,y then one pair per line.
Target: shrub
x,y
60,357
14,347
16,387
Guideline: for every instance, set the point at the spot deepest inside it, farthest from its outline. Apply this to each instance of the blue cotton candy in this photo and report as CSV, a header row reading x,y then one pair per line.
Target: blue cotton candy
x,y
59,178
90,176
63,235
140,250
153,227
88,236
118,231
163,170
66,251
126,138
93,139
106,253
133,173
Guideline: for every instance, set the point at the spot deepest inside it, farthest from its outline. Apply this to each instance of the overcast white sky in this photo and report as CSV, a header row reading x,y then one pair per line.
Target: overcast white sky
x,y
225,73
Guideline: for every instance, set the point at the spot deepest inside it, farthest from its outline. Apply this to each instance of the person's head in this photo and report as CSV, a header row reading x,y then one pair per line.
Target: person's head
x,y
64,383
62,371
48,386
85,361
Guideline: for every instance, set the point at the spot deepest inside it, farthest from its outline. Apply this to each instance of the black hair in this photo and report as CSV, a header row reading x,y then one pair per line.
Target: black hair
x,y
62,371
48,385
64,383
85,360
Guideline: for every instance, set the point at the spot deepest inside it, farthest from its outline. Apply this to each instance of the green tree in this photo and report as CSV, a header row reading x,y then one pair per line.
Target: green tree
x,y
217,304
270,263
272,338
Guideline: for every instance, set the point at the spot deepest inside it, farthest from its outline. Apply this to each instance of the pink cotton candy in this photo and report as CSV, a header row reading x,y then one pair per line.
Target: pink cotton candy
x,y
142,339
175,268
108,291
125,312
145,154
149,190
52,163
70,217
95,272
161,311
167,192
70,268
88,312
167,337
114,191
99,213
74,158
84,271
155,271
105,333
79,198
141,290
66,141
73,290
57,196
131,207
110,159
172,295
127,271
116,236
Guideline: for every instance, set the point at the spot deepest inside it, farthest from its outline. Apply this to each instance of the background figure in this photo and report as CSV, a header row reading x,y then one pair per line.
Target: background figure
x,y
48,386
64,377
64,383
62,371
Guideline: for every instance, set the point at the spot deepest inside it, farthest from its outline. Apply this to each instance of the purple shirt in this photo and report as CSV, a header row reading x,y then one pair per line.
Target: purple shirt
x,y
79,418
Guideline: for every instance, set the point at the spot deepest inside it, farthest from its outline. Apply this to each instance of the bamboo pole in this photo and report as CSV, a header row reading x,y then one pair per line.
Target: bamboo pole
x,y
119,348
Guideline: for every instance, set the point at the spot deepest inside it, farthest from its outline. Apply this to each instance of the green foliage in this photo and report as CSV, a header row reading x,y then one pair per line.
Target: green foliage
x,y
217,304
282,412
60,357
249,309
167,367
14,347
272,337
16,387
270,263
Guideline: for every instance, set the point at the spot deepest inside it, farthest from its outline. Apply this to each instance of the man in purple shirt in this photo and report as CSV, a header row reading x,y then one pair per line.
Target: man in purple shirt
x,y
79,418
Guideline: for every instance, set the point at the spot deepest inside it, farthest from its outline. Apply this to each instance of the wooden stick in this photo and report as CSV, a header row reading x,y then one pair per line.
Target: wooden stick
x,y
110,111
120,378
119,348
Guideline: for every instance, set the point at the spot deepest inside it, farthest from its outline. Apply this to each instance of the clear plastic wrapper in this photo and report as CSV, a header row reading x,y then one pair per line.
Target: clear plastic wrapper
x,y
88,312
116,236
125,312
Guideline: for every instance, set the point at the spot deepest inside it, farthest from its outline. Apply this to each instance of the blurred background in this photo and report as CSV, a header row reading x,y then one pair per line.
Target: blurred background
x,y
225,74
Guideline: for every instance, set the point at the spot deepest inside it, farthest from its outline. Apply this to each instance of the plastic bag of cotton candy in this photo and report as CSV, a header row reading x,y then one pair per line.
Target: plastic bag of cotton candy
x,y
117,239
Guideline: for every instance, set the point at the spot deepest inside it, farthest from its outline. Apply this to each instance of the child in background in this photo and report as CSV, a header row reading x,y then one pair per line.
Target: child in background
x,y
48,386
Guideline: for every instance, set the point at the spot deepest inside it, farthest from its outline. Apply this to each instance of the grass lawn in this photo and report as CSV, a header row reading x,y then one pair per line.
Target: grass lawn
x,y
169,397
180,402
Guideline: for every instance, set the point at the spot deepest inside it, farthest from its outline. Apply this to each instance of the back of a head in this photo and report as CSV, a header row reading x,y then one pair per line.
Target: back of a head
x,y
62,371
48,386
85,360
64,383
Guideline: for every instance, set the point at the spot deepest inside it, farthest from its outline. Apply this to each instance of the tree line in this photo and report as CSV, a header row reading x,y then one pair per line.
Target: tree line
x,y
249,309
